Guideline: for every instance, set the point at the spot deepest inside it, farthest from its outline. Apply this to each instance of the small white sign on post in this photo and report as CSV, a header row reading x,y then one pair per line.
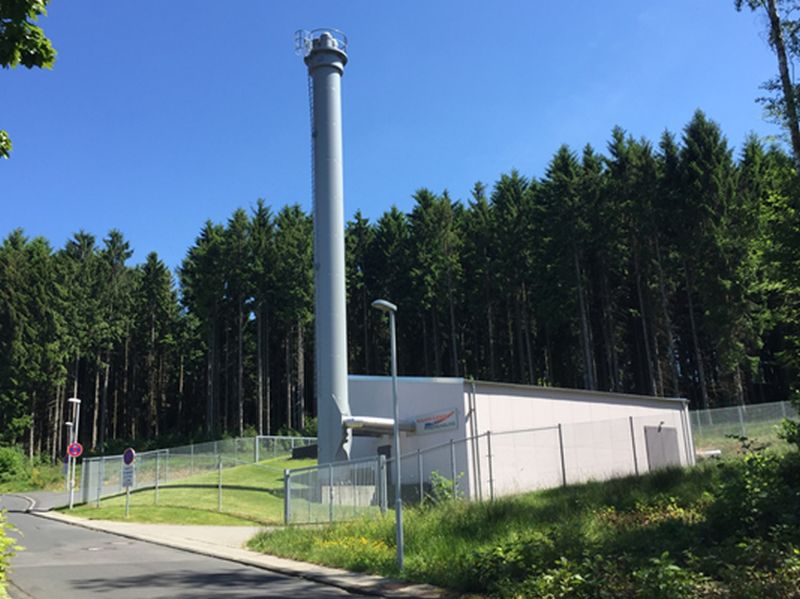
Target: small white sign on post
x,y
436,422
128,476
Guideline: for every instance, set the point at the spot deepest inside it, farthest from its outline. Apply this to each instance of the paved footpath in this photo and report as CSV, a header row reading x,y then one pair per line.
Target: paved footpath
x,y
68,558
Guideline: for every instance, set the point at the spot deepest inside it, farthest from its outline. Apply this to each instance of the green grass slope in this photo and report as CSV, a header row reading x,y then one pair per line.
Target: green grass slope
x,y
251,494
724,529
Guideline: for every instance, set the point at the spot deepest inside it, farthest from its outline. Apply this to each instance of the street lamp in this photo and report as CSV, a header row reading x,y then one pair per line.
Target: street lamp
x,y
385,306
69,459
76,406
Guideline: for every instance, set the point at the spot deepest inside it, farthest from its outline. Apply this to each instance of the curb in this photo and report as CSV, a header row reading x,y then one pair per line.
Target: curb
x,y
30,500
363,584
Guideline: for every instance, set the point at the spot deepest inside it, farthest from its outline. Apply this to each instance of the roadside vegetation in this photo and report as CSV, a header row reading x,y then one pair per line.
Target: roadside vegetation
x,y
252,494
726,528
7,549
18,473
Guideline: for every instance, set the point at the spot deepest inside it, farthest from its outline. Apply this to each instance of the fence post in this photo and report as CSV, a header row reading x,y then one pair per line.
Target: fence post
x,y
287,492
741,419
256,449
354,489
633,444
235,450
453,467
783,408
166,466
384,492
330,490
219,483
216,448
158,464
100,475
491,466
561,450
420,477
191,462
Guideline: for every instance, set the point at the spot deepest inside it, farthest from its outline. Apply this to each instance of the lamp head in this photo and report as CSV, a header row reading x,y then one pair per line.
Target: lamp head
x,y
67,424
384,306
74,400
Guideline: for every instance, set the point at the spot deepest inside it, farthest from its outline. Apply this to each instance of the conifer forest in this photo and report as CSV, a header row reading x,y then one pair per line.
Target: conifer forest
x,y
667,267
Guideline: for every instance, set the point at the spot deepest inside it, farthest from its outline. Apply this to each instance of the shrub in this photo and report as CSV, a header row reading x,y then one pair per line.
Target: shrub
x,y
13,464
7,550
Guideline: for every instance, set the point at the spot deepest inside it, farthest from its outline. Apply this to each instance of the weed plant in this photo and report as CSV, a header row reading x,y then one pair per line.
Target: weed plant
x,y
723,529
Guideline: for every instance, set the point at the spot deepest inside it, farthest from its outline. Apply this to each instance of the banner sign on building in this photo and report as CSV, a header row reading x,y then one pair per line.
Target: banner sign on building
x,y
437,422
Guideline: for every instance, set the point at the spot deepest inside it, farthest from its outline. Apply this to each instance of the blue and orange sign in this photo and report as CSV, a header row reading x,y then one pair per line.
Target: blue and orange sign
x,y
439,421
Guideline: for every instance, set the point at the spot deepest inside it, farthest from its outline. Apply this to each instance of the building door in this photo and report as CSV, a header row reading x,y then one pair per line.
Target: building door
x,y
662,447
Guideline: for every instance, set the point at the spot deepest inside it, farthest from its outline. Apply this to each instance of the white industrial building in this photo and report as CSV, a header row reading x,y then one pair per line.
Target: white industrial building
x,y
500,438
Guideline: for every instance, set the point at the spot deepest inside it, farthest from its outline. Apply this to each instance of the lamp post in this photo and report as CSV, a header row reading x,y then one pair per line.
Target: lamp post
x,y
69,458
385,306
76,406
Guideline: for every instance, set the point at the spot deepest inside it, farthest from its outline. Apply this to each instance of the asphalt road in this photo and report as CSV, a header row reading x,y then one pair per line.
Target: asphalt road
x,y
68,562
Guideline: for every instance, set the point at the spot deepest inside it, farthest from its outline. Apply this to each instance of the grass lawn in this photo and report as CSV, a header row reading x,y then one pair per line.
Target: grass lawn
x,y
723,529
721,436
251,494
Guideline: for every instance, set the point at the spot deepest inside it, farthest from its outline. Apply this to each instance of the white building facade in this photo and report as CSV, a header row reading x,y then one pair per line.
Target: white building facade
x,y
497,438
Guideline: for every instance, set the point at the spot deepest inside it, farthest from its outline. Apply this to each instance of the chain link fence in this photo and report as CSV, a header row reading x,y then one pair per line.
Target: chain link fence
x,y
335,492
715,429
102,476
490,465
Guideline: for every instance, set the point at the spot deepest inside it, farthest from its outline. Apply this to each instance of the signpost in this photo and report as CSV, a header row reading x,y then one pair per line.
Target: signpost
x,y
128,476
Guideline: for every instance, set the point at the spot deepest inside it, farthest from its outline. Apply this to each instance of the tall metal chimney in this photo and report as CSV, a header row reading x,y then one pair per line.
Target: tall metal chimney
x,y
324,52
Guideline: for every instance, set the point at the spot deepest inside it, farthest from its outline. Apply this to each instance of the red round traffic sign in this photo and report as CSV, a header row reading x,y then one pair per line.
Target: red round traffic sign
x,y
75,450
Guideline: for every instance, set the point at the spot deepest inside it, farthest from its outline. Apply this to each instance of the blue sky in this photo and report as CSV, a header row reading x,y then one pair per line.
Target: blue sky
x,y
160,115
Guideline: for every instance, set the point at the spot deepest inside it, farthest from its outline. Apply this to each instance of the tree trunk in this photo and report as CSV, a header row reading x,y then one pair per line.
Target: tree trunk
x,y
651,384
608,331
365,307
115,410
151,378
96,404
518,336
701,374
32,428
288,367
181,369
259,371
240,368
673,353
226,386
210,381
104,404
77,373
300,370
776,39
585,340
453,337
126,399
437,362
162,395
267,378
526,333
426,367
512,358
737,386
490,329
